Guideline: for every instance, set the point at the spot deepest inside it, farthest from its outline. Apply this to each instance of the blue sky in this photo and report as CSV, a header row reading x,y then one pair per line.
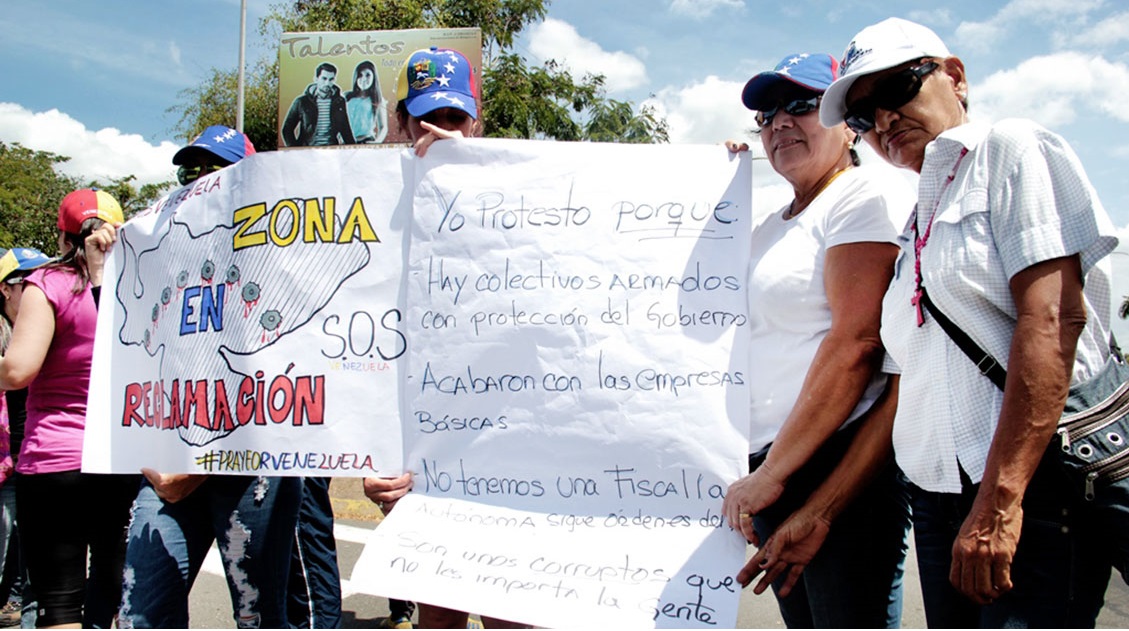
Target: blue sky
x,y
94,80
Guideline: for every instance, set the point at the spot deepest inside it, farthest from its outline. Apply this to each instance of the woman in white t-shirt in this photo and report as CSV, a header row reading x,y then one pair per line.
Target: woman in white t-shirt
x,y
820,266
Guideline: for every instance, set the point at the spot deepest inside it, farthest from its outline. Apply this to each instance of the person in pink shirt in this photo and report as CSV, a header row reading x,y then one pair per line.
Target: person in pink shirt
x,y
66,514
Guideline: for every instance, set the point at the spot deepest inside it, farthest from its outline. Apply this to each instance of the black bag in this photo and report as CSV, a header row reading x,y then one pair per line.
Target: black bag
x,y
1094,429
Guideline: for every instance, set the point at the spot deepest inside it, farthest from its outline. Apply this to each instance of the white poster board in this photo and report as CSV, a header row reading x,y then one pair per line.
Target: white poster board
x,y
575,403
250,323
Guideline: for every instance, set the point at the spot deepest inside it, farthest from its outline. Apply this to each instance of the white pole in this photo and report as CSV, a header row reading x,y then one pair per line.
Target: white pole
x,y
242,46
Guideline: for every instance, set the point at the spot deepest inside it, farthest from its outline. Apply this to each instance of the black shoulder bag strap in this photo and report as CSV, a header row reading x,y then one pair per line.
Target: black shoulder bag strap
x,y
987,364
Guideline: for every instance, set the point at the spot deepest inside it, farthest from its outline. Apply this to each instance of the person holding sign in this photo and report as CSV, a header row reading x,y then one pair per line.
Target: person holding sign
x,y
177,517
818,271
437,100
1009,239
65,514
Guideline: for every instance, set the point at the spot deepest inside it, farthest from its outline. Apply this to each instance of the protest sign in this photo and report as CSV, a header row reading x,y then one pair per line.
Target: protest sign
x,y
575,395
250,323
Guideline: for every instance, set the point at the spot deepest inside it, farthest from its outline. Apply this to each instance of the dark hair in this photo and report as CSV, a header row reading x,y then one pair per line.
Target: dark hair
x,y
373,91
325,65
74,261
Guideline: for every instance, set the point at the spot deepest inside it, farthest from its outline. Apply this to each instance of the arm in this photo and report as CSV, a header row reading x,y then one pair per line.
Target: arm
x,y
96,246
799,537
1051,314
173,487
381,117
31,338
855,277
293,118
385,492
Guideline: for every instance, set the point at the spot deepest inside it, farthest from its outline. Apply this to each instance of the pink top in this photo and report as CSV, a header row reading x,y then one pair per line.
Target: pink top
x,y
56,398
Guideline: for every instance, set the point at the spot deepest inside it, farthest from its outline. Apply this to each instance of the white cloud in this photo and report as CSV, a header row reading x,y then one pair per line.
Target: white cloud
x,y
559,40
700,9
982,36
103,154
706,112
1054,89
1108,32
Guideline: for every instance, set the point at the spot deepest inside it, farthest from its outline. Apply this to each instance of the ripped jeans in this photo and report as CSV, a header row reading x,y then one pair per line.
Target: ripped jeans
x,y
252,521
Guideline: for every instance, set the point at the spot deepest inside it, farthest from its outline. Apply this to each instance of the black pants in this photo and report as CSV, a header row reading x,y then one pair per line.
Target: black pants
x,y
62,516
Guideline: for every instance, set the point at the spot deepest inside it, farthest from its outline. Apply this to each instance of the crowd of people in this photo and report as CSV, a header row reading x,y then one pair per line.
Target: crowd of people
x,y
865,416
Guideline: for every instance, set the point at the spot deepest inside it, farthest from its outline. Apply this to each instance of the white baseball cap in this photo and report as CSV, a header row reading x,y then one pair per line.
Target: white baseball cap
x,y
889,43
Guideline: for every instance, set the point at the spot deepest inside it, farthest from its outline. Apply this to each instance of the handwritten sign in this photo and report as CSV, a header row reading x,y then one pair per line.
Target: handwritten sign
x,y
576,372
250,323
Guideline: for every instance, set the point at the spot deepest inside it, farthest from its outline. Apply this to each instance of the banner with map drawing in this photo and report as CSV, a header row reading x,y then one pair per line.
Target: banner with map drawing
x,y
575,396
252,323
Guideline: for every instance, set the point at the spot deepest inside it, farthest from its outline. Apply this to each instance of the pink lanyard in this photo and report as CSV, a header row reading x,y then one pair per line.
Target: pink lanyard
x,y
919,241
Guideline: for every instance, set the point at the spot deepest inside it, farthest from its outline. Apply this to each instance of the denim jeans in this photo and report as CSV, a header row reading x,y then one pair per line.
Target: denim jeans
x,y
1060,570
855,580
251,519
314,598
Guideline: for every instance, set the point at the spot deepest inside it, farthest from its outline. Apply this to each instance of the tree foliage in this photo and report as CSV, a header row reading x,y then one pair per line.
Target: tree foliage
x,y
29,199
519,100
33,189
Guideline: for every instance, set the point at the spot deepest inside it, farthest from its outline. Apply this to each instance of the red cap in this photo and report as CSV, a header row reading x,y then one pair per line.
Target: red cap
x,y
84,204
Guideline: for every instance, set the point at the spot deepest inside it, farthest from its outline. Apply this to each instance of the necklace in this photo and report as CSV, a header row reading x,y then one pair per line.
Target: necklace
x,y
793,213
919,240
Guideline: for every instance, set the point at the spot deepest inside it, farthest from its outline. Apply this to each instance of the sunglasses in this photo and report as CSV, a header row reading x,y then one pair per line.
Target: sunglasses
x,y
449,115
189,174
799,107
888,94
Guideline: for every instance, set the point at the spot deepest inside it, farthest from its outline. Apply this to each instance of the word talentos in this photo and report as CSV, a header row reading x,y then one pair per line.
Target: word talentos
x,y
301,46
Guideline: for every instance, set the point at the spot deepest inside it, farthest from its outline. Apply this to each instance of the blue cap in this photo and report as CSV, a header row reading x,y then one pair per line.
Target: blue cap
x,y
435,78
221,141
814,71
21,260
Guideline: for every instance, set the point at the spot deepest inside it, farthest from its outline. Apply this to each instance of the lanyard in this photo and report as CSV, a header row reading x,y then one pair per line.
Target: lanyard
x,y
919,240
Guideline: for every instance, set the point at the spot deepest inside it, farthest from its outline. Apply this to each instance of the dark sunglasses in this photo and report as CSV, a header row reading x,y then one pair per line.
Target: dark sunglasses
x,y
187,174
889,94
799,107
449,115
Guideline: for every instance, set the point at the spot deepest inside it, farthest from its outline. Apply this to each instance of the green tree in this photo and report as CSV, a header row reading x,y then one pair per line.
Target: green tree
x,y
33,189
29,199
519,100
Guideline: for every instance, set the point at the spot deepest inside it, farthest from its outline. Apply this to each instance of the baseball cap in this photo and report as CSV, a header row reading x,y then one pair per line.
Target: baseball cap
x,y
86,203
812,71
220,141
889,43
435,78
21,260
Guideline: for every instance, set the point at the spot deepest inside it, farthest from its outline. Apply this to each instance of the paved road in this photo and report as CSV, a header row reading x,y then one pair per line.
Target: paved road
x,y
210,605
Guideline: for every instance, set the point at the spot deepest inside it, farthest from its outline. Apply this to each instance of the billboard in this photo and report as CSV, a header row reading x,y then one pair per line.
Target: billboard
x,y
339,88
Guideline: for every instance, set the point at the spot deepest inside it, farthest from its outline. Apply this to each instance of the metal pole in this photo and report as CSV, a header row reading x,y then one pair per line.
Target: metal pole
x,y
242,47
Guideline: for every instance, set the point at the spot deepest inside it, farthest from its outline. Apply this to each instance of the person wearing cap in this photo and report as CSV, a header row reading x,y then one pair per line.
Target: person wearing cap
x,y
177,517
1009,239
437,97
437,100
65,514
217,147
318,116
15,265
818,270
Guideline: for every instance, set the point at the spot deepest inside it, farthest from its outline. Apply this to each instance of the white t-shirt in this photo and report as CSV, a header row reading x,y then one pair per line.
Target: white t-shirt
x,y
788,310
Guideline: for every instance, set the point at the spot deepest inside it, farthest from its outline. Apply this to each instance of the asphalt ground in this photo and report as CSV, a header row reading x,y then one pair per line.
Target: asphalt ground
x,y
210,605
